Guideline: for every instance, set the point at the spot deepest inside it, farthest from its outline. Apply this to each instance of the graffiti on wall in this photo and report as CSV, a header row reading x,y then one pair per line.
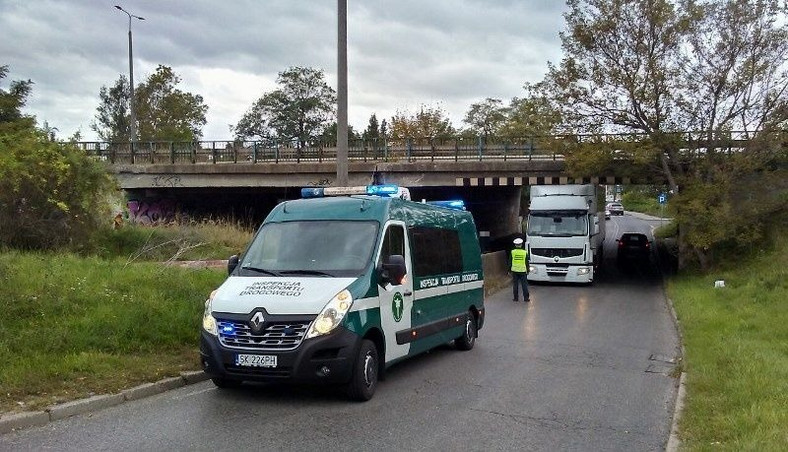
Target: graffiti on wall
x,y
154,211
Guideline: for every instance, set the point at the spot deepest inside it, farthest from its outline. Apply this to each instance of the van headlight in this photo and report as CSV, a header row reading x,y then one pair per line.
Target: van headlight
x,y
331,315
208,322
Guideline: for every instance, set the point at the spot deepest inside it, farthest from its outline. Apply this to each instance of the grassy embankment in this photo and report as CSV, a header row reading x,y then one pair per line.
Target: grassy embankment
x,y
76,326
736,344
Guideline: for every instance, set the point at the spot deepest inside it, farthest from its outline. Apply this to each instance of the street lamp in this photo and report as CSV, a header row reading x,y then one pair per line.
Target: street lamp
x,y
131,79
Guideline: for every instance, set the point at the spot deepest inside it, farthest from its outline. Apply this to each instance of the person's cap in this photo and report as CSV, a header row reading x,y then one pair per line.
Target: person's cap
x,y
518,241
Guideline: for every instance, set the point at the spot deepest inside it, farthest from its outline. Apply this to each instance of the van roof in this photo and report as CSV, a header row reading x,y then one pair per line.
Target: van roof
x,y
364,207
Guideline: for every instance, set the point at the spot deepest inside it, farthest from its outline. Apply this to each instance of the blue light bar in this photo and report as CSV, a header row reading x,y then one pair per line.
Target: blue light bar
x,y
458,204
386,190
383,190
312,192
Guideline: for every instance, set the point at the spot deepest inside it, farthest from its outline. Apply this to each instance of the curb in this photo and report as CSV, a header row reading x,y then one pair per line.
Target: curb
x,y
678,406
674,442
16,421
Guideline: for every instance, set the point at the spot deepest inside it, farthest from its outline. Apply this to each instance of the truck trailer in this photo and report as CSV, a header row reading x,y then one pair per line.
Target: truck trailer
x,y
565,233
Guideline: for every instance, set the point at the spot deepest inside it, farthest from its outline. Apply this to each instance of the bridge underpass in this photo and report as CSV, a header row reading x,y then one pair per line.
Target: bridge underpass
x,y
246,192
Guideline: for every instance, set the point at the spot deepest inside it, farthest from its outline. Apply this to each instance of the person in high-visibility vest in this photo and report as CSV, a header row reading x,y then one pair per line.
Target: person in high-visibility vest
x,y
519,268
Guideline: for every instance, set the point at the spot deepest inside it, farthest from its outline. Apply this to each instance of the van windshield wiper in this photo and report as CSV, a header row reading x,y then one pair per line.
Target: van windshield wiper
x,y
304,272
259,270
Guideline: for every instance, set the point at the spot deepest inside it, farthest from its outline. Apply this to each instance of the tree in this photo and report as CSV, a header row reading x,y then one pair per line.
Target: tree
x,y
330,134
113,119
486,118
429,122
372,132
51,194
299,110
167,113
12,101
531,116
659,67
164,112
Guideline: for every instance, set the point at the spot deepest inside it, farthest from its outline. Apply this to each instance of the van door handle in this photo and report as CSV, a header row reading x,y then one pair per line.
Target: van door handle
x,y
408,293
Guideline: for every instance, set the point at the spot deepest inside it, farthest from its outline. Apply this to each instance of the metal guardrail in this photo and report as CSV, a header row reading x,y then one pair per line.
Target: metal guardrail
x,y
389,150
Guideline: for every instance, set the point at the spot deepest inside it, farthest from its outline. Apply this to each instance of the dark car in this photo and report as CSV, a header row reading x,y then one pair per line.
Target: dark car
x,y
633,247
615,208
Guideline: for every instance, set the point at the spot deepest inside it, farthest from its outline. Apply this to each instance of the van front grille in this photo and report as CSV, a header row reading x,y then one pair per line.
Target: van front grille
x,y
281,336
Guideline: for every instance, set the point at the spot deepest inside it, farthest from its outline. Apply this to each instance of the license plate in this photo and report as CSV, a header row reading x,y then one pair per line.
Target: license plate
x,y
255,360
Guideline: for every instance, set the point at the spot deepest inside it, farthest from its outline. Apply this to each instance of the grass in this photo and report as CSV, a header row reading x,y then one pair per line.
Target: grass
x,y
736,343
75,326
196,241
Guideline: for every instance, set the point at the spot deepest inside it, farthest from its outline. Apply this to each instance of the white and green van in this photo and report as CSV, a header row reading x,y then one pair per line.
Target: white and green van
x,y
335,289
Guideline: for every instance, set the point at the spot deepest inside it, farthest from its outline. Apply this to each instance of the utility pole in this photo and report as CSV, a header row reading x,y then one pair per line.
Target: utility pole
x,y
342,144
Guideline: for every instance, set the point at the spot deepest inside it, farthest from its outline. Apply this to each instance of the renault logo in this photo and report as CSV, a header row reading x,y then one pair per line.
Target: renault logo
x,y
556,259
256,322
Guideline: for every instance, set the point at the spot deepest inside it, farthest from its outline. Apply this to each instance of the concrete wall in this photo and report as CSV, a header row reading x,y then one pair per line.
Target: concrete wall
x,y
496,272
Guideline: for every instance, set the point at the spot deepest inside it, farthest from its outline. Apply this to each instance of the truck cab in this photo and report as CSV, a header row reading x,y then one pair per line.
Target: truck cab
x,y
564,234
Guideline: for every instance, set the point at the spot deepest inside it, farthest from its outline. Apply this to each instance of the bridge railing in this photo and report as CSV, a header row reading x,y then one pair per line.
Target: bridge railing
x,y
553,147
272,151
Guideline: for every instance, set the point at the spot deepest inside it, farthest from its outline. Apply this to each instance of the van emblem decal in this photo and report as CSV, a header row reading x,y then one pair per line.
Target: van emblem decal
x,y
397,306
256,322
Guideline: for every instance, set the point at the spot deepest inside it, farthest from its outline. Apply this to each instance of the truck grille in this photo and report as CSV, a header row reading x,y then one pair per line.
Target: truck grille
x,y
560,252
279,336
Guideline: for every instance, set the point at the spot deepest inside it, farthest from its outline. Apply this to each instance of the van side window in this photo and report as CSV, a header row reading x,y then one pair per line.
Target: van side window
x,y
435,251
393,242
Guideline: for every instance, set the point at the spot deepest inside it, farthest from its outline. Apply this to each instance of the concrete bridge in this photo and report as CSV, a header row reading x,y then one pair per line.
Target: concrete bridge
x,y
247,182
246,179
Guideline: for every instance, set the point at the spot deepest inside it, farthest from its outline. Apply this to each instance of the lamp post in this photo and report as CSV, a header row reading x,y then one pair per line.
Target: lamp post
x,y
131,79
342,141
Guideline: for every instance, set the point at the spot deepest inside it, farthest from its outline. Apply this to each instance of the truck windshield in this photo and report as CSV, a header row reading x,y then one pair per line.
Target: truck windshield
x,y
319,248
557,224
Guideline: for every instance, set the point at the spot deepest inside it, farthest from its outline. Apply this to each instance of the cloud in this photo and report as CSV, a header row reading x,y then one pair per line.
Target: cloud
x,y
401,54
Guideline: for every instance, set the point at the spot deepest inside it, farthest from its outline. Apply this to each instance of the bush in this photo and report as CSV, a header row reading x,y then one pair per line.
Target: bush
x,y
52,195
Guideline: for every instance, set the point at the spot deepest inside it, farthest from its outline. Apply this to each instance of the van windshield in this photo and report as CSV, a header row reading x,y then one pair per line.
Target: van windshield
x,y
312,248
557,223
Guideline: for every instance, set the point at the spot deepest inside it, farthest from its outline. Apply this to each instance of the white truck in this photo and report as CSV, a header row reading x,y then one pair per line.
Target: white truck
x,y
565,233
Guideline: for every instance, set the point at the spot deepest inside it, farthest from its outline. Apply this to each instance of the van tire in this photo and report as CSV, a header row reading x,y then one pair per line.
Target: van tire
x,y
226,383
364,378
468,338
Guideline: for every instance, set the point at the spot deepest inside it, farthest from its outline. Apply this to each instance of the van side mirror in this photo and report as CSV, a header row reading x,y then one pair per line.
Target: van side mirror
x,y
392,269
232,262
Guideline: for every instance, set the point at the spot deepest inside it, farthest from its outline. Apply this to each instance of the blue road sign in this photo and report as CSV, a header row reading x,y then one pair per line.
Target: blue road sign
x,y
662,198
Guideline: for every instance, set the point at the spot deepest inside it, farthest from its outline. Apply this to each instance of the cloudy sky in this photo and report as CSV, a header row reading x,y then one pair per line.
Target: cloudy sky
x,y
401,53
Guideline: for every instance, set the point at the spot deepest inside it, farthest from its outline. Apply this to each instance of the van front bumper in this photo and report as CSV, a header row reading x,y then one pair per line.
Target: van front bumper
x,y
325,359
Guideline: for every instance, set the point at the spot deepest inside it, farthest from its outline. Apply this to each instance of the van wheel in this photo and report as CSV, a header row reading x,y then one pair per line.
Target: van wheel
x,y
468,338
225,383
364,379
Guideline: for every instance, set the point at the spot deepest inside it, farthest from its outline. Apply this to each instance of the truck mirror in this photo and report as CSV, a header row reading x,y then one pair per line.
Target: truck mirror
x,y
392,269
232,262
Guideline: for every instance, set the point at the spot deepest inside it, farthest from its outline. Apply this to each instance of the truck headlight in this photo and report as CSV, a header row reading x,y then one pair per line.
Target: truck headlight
x,y
532,269
208,322
583,271
331,315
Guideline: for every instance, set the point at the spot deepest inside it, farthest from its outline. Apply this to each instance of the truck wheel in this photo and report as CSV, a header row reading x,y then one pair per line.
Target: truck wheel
x,y
468,338
225,383
364,379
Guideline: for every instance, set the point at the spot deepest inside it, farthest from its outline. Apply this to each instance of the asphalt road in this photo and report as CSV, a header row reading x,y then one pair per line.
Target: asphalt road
x,y
579,368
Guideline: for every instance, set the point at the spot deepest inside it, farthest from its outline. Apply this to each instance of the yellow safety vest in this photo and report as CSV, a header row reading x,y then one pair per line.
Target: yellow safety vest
x,y
518,260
